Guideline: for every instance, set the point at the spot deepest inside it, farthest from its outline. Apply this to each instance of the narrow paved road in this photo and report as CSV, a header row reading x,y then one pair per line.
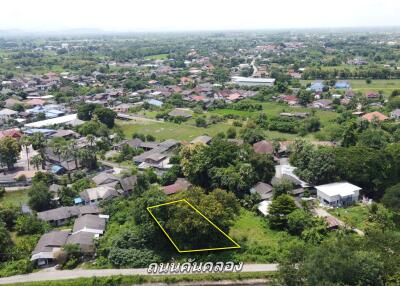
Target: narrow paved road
x,y
52,274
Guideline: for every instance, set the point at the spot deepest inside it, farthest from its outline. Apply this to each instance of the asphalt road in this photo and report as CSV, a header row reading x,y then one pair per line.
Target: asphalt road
x,y
52,274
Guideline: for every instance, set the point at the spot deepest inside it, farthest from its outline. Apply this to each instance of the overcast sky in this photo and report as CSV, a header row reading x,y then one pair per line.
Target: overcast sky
x,y
159,15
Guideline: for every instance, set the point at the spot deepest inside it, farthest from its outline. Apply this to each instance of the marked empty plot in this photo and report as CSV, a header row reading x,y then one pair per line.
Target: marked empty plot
x,y
203,235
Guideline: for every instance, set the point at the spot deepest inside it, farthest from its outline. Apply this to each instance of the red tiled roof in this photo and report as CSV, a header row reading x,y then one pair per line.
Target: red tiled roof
x,y
379,116
263,147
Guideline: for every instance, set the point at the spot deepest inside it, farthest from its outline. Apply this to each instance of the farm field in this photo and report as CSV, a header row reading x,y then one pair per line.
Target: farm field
x,y
157,57
384,85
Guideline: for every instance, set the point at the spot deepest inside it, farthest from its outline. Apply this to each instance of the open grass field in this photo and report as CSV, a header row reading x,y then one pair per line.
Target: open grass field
x,y
15,198
259,243
187,131
157,57
354,216
384,85
169,130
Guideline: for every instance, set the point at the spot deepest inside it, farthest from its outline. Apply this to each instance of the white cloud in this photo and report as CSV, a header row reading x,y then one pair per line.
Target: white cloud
x,y
196,15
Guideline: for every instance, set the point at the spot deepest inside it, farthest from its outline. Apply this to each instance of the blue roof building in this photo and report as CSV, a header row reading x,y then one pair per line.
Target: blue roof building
x,y
317,87
155,102
56,169
342,85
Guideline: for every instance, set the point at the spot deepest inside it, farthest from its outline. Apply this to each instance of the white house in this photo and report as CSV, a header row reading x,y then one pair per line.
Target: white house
x,y
338,194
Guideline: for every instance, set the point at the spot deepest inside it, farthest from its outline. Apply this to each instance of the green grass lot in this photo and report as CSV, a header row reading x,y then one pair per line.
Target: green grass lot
x,y
169,130
187,131
259,244
156,279
157,57
384,85
354,216
15,198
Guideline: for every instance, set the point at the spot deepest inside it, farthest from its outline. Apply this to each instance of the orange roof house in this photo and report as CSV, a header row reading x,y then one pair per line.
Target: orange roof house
x,y
374,115
263,147
35,102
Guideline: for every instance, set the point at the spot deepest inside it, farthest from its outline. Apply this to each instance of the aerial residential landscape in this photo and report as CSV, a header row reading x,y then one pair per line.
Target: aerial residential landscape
x,y
200,157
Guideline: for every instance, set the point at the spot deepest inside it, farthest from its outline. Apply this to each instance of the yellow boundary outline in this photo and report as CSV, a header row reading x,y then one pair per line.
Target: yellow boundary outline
x,y
197,211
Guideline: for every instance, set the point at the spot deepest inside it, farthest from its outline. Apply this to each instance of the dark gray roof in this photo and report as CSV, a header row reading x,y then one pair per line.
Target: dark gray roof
x,y
104,178
89,221
128,183
168,144
202,139
265,190
67,212
101,192
49,240
180,113
84,240
59,213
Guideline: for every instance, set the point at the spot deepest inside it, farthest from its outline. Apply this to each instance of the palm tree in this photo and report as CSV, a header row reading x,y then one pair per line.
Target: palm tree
x,y
66,154
37,160
39,143
57,151
74,151
25,141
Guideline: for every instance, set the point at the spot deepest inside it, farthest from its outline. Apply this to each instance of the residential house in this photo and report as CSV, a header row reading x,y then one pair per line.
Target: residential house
x,y
322,104
7,114
14,133
395,114
95,224
338,194
372,95
204,139
342,85
263,189
128,183
374,116
264,147
317,86
94,195
85,241
105,178
60,216
180,113
46,249
180,184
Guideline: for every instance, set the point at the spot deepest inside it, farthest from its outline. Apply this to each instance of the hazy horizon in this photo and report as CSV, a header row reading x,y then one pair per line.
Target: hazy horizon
x,y
208,15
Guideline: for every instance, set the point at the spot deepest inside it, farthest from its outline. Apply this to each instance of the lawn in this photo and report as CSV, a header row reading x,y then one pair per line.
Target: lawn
x,y
353,216
157,57
168,130
185,131
386,86
259,243
15,198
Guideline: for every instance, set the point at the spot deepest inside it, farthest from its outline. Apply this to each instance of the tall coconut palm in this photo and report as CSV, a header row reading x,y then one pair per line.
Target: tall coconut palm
x,y
37,160
66,153
26,141
39,143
